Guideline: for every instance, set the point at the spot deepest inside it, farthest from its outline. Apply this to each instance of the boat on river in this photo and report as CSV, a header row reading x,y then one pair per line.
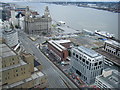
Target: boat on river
x,y
104,34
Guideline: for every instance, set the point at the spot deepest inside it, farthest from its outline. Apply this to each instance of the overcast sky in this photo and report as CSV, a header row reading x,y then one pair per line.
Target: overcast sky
x,y
59,0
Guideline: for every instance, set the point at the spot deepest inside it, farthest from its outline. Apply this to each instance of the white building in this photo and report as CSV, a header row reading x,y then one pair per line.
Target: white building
x,y
108,79
13,19
86,63
112,47
11,36
1,24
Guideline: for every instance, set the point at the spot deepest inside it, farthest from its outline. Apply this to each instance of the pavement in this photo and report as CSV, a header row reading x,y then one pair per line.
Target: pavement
x,y
56,78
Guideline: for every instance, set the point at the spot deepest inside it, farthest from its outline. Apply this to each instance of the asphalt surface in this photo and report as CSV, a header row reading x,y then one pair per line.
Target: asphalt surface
x,y
56,78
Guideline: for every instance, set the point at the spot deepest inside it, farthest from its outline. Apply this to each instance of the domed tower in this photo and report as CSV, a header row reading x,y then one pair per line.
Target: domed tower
x,y
10,35
47,13
26,19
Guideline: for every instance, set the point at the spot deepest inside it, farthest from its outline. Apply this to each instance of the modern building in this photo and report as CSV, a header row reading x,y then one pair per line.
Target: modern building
x,y
11,36
18,71
108,79
86,63
37,24
59,48
112,47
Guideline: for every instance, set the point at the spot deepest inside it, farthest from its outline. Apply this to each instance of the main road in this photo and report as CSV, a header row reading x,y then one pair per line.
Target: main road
x,y
56,78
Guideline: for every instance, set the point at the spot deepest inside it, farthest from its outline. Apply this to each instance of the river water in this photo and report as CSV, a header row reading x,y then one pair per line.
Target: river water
x,y
79,17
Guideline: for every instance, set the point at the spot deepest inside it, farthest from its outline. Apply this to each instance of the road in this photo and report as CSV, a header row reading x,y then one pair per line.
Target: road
x,y
56,78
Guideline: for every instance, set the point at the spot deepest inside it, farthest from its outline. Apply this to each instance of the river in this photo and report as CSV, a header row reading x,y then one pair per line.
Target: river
x,y
79,17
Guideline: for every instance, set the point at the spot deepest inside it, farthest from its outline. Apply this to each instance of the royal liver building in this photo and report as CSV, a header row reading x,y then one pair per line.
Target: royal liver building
x,y
37,25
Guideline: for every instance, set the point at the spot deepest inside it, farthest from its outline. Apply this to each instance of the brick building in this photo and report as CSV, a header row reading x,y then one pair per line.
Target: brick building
x,y
59,48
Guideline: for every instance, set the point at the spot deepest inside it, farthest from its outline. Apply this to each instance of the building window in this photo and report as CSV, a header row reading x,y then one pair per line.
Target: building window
x,y
16,70
87,62
95,64
89,59
83,60
100,62
80,58
73,54
76,55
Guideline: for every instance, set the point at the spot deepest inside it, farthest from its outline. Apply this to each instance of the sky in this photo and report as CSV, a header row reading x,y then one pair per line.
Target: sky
x,y
60,0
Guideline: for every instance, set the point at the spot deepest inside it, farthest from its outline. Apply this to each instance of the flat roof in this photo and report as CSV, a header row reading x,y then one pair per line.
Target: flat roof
x,y
111,80
114,43
57,45
88,51
62,41
5,51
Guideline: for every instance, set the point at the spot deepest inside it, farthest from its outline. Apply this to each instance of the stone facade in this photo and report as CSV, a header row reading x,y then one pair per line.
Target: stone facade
x,y
37,25
18,71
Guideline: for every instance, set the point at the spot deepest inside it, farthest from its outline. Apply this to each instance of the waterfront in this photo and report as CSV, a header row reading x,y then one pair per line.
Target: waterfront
x,y
79,17
63,58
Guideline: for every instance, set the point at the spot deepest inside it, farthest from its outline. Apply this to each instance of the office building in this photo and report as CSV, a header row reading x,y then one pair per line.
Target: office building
x,y
18,71
108,79
86,63
59,48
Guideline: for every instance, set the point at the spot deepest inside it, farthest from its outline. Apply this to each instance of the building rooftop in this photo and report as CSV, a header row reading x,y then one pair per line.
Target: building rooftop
x,y
8,31
111,80
35,69
114,43
5,51
88,51
62,41
33,77
57,45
